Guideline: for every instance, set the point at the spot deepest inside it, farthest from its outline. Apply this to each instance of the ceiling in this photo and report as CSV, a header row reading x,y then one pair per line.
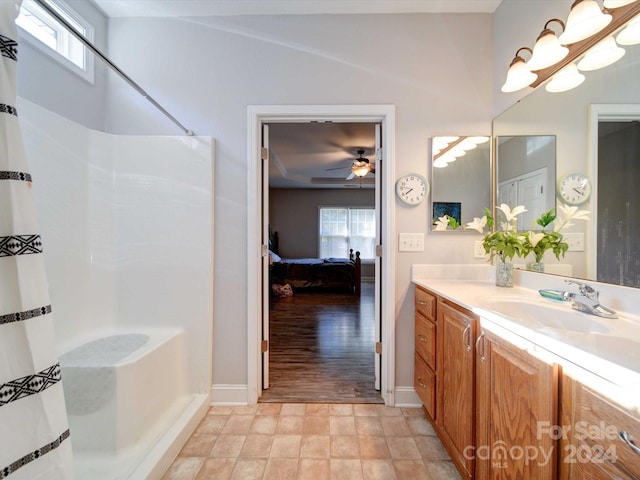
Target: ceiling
x,y
319,155
302,153
197,8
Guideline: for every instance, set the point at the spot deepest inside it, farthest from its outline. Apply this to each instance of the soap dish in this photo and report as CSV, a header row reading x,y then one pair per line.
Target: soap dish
x,y
553,295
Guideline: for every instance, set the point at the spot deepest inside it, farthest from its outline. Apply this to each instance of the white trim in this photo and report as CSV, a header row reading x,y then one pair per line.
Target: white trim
x,y
407,397
258,114
229,395
597,112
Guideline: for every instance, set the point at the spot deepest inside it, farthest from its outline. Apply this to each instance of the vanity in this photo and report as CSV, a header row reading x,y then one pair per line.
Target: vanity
x,y
521,386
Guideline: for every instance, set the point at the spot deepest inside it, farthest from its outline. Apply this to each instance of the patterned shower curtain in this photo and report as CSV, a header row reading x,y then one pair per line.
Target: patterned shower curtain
x,y
34,432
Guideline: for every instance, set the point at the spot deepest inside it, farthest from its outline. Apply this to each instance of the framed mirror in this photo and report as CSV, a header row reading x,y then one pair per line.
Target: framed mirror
x,y
460,180
569,117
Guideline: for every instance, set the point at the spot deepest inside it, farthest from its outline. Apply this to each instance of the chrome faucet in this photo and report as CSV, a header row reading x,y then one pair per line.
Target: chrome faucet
x,y
587,300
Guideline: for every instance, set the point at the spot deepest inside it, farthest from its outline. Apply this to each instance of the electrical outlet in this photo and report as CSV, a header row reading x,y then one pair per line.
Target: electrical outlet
x,y
575,241
478,250
411,242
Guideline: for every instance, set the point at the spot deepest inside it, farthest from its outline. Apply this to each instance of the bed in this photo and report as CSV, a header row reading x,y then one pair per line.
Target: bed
x,y
325,273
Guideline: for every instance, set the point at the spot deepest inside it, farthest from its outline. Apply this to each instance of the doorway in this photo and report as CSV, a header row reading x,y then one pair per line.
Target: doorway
x,y
258,116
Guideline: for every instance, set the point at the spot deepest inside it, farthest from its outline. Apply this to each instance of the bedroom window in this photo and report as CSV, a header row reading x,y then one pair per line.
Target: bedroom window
x,y
345,228
50,37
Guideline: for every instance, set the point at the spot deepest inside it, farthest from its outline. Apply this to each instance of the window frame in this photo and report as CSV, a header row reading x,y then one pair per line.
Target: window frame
x,y
349,235
88,72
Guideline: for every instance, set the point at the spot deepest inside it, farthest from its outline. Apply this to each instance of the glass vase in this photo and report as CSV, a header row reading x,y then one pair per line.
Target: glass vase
x,y
504,274
535,267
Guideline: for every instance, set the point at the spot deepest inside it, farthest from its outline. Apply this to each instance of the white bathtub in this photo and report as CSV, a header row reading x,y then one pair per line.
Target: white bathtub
x,y
120,386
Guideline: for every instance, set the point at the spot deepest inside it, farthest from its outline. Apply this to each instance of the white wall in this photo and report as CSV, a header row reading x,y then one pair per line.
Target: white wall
x,y
435,68
126,224
206,71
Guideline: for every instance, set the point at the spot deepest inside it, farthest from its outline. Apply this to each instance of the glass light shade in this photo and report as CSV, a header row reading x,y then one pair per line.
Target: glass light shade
x,y
617,3
585,19
478,140
631,34
603,54
440,163
547,51
566,79
467,144
440,143
518,76
360,170
456,152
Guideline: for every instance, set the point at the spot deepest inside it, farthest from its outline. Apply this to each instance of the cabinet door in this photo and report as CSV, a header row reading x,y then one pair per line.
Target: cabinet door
x,y
455,375
517,393
593,447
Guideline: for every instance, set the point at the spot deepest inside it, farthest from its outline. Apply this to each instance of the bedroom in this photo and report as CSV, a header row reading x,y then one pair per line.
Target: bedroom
x,y
329,321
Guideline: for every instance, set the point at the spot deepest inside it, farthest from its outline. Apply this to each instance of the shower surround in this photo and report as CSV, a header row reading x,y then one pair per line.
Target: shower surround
x,y
127,225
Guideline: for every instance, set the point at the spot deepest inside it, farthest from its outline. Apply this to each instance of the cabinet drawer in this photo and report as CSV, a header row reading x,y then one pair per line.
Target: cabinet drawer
x,y
425,304
424,381
601,422
426,340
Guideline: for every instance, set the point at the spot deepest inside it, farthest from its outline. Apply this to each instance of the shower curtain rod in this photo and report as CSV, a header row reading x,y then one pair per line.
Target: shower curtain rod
x,y
112,65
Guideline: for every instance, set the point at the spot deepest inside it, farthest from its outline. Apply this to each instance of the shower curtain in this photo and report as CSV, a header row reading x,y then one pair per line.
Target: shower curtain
x,y
34,432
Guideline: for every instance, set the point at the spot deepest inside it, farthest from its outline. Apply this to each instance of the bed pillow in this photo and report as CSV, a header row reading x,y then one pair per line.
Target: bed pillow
x,y
274,256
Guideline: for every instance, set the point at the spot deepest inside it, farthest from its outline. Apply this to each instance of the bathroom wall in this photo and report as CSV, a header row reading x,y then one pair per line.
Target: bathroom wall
x,y
126,224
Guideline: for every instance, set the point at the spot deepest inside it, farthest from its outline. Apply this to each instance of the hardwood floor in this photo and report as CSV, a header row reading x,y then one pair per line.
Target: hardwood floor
x,y
322,348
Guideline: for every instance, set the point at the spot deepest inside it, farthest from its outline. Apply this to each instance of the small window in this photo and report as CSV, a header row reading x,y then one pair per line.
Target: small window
x,y
51,37
345,228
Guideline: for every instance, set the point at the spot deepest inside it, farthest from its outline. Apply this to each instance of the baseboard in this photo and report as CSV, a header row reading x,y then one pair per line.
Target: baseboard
x,y
225,395
406,397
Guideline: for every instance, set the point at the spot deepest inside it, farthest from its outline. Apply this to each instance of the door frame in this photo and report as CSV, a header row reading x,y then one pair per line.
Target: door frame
x,y
256,116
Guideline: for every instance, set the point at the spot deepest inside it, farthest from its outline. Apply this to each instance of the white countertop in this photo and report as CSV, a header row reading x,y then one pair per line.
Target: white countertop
x,y
612,354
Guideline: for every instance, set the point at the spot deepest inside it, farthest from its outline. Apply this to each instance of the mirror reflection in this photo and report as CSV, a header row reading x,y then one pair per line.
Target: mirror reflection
x,y
526,175
460,180
593,254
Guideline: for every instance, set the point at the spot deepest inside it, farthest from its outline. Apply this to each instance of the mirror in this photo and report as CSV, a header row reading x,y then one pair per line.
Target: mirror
x,y
573,118
526,175
460,179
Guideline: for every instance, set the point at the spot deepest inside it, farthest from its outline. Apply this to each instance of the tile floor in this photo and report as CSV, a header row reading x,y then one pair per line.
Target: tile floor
x,y
313,441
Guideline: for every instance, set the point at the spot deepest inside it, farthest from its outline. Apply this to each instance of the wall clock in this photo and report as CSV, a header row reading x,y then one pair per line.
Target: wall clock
x,y
412,189
575,188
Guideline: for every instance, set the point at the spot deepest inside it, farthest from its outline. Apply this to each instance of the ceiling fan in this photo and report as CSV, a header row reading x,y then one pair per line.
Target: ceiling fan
x,y
359,167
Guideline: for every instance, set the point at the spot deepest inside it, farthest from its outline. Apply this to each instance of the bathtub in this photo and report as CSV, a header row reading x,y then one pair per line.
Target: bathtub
x,y
120,386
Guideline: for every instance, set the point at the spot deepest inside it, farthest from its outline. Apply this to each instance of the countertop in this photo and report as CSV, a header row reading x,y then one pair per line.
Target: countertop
x,y
611,351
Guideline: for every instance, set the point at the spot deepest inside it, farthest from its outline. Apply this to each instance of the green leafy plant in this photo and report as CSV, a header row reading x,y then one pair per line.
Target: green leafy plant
x,y
505,243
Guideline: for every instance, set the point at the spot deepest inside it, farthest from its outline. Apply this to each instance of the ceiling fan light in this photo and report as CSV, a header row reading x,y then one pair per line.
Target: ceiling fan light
x,y
601,55
631,34
585,19
360,170
616,3
547,51
519,76
565,79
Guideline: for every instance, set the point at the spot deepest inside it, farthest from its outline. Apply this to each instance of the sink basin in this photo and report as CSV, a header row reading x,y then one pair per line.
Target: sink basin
x,y
541,313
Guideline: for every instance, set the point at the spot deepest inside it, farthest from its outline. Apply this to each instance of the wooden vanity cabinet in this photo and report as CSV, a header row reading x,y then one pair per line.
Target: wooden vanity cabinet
x,y
425,350
591,446
515,394
456,387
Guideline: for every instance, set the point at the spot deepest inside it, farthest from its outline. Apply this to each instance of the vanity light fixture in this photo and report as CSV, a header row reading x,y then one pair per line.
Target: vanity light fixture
x,y
566,79
519,74
583,13
447,149
547,49
585,19
603,54
631,33
617,3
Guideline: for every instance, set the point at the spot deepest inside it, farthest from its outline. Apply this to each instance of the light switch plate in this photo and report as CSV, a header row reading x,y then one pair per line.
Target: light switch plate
x,y
411,242
575,241
478,250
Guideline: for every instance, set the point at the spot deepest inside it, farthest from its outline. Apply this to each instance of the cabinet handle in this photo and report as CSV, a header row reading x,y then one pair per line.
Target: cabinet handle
x,y
624,435
466,338
422,302
422,338
481,352
420,383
